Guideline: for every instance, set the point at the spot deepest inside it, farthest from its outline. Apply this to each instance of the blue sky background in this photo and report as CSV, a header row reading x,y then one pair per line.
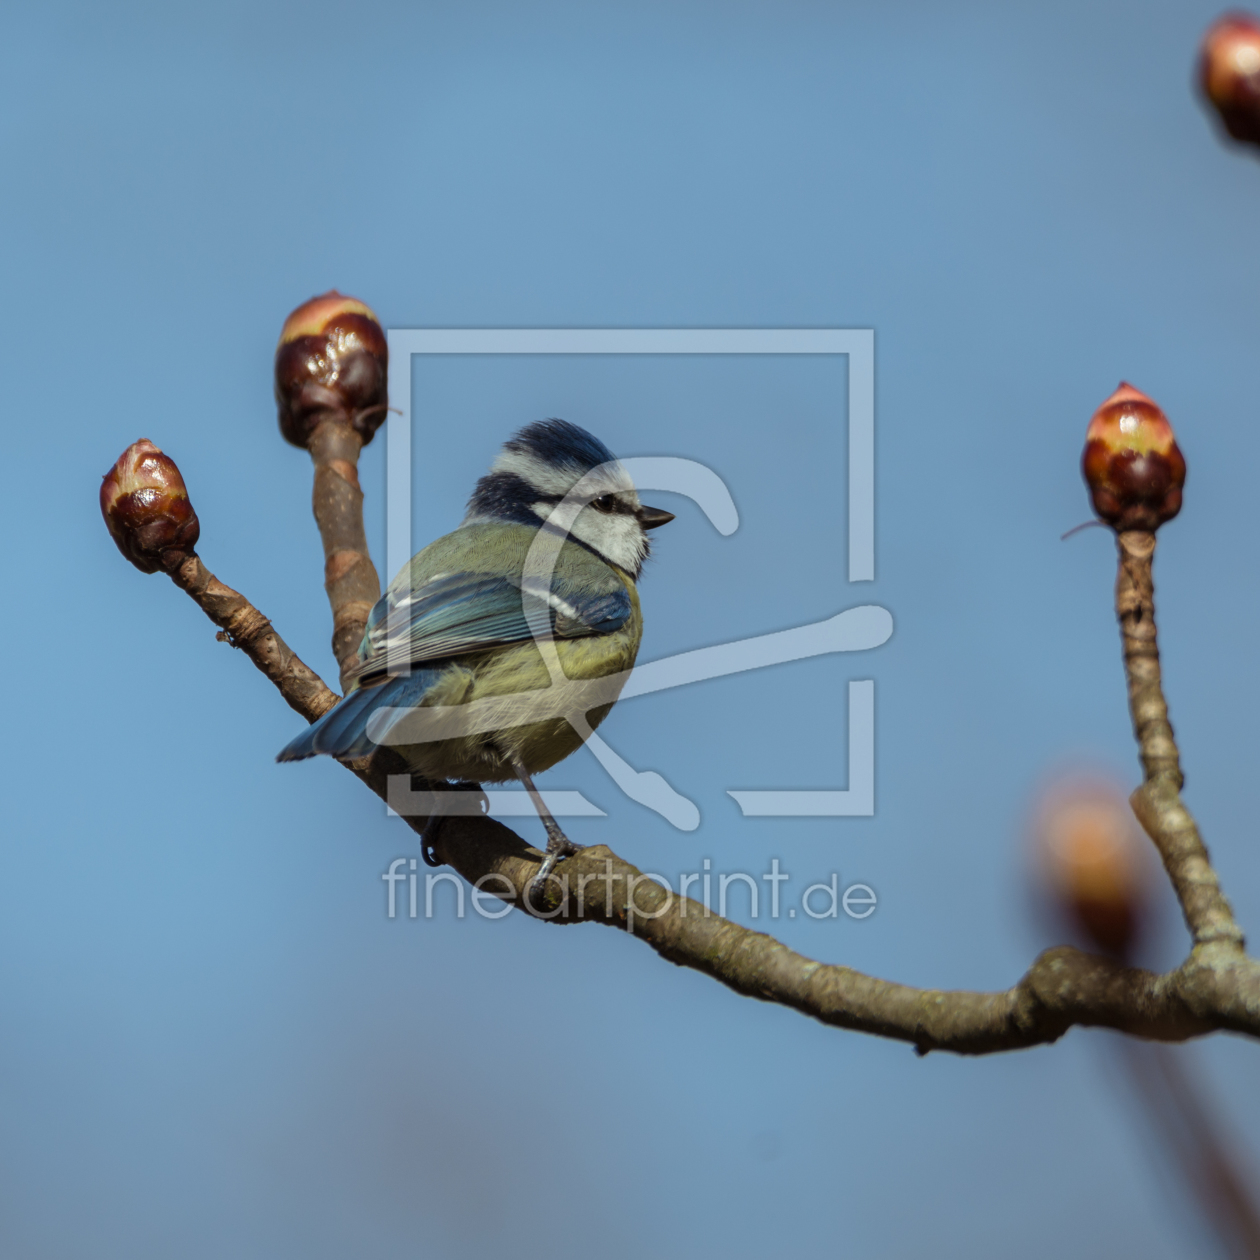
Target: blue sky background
x,y
214,1042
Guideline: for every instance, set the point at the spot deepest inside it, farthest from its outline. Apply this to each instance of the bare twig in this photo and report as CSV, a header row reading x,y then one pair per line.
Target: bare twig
x,y
349,574
1157,803
244,627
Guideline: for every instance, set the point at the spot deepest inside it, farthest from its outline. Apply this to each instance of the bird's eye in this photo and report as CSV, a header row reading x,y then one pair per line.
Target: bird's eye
x,y
605,503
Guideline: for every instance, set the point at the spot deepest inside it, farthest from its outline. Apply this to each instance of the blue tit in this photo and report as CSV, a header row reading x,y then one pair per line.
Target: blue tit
x,y
459,619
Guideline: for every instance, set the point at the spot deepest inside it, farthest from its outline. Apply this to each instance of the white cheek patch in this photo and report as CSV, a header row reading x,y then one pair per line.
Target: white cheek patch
x,y
617,538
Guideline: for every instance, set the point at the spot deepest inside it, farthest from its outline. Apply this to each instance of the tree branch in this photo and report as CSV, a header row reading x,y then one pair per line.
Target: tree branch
x,y
244,627
1218,987
1063,987
349,574
1157,803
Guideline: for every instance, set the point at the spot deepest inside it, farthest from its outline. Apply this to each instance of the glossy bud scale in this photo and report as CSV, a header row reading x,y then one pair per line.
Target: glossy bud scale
x,y
332,360
146,508
1132,464
1229,74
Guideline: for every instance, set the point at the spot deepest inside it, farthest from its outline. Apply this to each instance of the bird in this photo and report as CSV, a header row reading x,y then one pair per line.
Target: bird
x,y
475,617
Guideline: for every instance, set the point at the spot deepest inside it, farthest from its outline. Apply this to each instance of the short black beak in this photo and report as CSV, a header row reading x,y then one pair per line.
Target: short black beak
x,y
650,518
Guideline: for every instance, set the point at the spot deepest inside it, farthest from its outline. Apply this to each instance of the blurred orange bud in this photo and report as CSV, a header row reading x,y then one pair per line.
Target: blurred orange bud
x,y
1229,74
1132,464
1094,860
332,360
145,505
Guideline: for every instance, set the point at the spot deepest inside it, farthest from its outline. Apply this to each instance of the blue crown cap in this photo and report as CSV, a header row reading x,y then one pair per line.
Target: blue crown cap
x,y
561,444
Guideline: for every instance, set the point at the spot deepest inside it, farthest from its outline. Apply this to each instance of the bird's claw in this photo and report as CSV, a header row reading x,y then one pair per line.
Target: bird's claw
x,y
558,846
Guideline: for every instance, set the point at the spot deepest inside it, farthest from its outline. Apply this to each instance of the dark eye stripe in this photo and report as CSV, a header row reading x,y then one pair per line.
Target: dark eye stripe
x,y
611,505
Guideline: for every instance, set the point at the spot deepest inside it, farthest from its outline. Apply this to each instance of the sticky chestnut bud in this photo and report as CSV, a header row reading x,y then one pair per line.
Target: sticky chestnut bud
x,y
1229,74
1132,464
146,508
332,360
1095,862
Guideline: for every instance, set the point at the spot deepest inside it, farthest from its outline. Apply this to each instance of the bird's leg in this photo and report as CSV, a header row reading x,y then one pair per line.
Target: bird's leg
x,y
558,844
428,839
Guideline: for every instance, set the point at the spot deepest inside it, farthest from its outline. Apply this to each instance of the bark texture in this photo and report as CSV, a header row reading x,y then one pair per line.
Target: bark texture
x,y
1157,803
244,627
349,574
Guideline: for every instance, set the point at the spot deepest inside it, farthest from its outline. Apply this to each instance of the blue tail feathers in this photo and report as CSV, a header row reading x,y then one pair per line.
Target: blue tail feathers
x,y
342,732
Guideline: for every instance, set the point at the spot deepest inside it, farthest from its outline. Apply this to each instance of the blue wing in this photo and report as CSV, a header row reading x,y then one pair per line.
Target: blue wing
x,y
455,614
451,615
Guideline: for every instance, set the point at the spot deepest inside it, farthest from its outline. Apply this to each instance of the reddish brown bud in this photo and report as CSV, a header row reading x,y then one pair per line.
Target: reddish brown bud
x,y
146,508
1095,861
1229,74
1132,464
332,360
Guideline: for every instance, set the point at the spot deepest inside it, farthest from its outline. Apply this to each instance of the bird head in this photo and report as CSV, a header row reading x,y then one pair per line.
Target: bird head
x,y
540,465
